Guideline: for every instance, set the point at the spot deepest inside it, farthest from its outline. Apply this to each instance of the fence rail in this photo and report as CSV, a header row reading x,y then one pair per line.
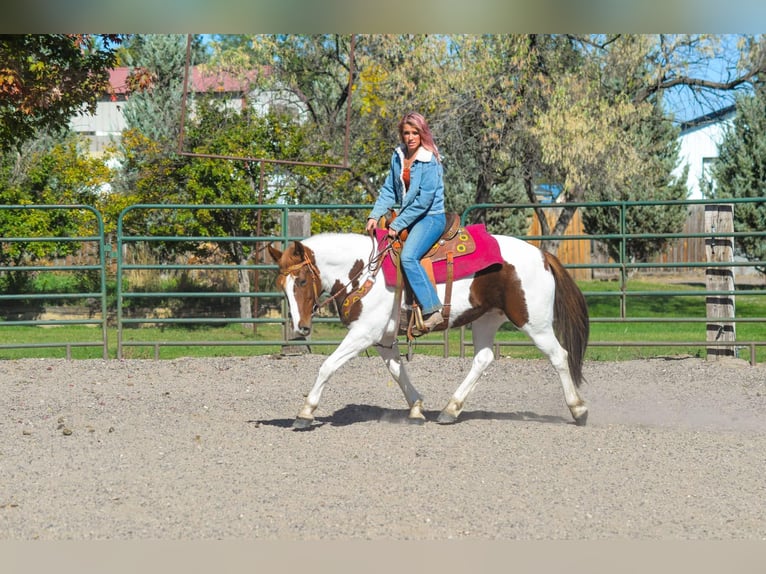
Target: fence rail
x,y
14,302
153,289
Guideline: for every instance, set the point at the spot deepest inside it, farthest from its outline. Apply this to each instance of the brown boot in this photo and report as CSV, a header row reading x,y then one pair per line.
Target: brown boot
x,y
433,321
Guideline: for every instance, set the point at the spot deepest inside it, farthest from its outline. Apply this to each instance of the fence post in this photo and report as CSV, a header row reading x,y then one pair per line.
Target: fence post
x,y
719,218
298,225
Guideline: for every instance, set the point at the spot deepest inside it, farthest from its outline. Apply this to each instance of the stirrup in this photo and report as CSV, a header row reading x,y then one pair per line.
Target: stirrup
x,y
423,327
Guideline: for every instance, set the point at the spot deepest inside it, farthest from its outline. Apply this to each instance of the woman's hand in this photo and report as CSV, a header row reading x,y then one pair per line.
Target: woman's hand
x,y
372,225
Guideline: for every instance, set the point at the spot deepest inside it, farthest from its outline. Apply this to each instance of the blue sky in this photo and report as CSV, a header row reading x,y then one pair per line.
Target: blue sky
x,y
683,102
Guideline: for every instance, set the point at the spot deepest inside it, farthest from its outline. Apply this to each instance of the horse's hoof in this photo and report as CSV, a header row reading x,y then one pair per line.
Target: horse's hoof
x,y
302,424
446,418
419,421
582,419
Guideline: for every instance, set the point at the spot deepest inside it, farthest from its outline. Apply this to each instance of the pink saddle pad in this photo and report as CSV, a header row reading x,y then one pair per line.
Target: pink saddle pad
x,y
487,253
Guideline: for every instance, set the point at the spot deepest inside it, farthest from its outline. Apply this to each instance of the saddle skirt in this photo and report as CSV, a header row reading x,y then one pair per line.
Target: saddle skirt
x,y
472,248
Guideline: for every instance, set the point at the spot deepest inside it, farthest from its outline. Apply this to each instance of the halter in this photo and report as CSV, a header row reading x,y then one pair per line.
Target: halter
x,y
315,277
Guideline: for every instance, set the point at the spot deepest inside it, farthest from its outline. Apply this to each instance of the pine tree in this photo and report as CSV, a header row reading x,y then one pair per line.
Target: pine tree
x,y
656,140
740,171
156,82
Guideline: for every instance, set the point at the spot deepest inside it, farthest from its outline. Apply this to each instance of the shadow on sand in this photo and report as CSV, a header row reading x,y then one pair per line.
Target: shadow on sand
x,y
352,414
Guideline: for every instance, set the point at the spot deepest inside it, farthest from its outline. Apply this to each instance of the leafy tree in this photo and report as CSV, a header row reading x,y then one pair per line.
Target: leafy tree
x,y
509,111
305,79
52,170
221,131
656,142
45,79
740,171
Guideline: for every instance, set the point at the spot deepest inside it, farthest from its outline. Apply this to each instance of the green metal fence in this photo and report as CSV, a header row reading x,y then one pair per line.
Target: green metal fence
x,y
267,224
159,295
623,266
19,309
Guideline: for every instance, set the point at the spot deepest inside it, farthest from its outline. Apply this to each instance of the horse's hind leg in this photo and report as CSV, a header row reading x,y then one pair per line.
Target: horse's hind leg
x,y
547,342
393,360
484,330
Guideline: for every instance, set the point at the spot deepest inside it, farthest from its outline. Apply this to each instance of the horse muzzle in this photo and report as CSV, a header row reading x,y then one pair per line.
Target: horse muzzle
x,y
303,331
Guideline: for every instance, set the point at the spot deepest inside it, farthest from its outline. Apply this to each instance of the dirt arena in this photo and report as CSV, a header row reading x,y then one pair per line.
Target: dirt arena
x,y
203,449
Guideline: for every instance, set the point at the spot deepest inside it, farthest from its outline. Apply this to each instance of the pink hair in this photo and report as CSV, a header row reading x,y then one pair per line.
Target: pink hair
x,y
419,123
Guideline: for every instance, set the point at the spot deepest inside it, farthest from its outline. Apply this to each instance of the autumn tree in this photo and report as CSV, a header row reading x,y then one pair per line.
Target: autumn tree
x,y
656,143
608,146
45,79
498,86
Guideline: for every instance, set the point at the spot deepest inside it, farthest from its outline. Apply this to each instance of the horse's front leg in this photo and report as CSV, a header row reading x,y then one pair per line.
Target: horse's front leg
x,y
350,347
393,359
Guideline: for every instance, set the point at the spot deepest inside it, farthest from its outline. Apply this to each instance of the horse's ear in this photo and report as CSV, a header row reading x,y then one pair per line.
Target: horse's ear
x,y
298,250
276,254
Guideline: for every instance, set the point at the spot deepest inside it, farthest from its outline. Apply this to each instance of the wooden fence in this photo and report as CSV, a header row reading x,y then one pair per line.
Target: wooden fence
x,y
571,251
586,251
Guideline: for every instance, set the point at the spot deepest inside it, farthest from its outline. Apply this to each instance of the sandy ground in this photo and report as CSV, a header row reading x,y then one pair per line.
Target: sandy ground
x,y
203,449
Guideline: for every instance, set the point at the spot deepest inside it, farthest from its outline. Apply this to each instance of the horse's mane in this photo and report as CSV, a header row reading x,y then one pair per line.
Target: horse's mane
x,y
337,246
336,239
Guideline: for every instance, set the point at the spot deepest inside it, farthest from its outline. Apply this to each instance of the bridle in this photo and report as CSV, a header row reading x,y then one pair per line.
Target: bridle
x,y
296,267
373,266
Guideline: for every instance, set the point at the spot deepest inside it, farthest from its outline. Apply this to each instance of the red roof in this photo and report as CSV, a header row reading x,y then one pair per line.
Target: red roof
x,y
201,81
118,79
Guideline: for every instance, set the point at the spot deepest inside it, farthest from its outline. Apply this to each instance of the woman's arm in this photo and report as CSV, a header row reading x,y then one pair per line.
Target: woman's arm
x,y
386,195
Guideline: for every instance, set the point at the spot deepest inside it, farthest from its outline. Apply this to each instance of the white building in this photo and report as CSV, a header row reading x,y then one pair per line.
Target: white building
x,y
105,127
700,139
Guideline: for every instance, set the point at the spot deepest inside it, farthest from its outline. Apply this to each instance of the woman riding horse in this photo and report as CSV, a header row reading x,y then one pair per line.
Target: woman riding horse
x,y
415,182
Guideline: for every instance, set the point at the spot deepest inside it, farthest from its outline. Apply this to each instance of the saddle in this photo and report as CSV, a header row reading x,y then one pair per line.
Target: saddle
x,y
455,241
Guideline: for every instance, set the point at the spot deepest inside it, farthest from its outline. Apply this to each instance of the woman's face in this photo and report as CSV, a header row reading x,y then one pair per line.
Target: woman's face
x,y
410,138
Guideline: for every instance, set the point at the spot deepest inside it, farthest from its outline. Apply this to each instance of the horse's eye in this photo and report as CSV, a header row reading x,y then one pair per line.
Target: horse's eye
x,y
300,282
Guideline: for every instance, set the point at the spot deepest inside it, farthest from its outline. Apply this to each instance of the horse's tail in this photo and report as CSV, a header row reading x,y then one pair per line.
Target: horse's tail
x,y
570,316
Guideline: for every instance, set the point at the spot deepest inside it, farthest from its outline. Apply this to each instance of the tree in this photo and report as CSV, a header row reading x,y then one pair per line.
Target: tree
x,y
151,170
217,130
509,111
45,79
497,89
656,142
740,171
53,170
157,64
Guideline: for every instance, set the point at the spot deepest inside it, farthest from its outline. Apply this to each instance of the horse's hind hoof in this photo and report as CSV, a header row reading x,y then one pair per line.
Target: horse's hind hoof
x,y
446,419
302,424
582,419
416,421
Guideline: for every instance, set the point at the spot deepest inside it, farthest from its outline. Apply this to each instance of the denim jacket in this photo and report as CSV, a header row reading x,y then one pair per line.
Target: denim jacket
x,y
425,195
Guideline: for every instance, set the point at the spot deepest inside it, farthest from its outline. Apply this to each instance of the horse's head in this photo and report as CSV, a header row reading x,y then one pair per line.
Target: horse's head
x,y
299,279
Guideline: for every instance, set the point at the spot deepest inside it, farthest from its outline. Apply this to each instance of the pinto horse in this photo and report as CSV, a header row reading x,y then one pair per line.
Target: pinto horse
x,y
529,287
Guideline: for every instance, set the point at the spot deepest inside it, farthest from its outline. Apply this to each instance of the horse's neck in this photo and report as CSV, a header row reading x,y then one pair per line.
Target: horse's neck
x,y
337,254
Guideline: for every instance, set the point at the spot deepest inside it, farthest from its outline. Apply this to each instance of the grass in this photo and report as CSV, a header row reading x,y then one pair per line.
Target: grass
x,y
602,302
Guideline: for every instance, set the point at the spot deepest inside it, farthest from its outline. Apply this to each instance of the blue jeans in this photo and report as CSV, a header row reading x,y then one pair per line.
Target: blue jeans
x,y
422,235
